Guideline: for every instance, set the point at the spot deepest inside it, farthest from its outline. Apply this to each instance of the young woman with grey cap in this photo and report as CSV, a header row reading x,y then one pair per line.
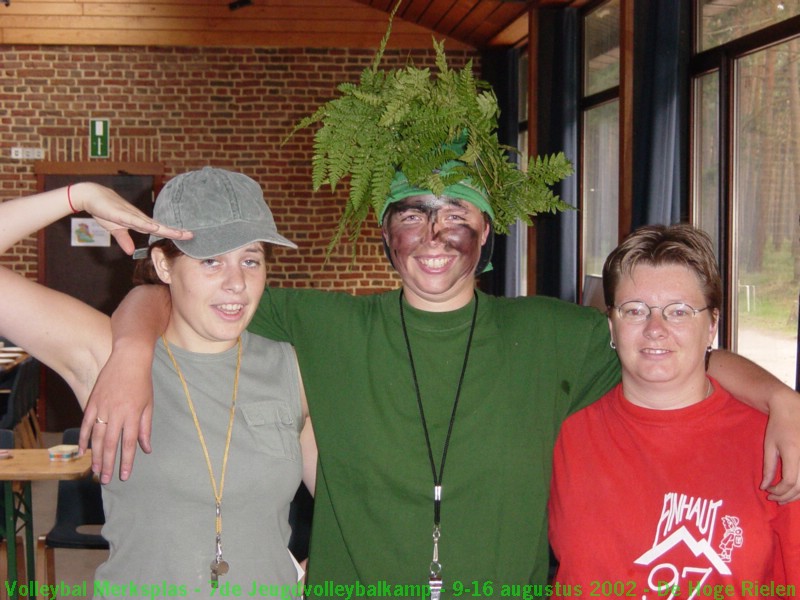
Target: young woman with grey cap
x,y
210,505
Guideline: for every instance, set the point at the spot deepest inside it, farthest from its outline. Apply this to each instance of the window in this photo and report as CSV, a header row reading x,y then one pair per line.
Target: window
x,y
600,185
600,135
601,48
517,283
722,21
747,159
706,190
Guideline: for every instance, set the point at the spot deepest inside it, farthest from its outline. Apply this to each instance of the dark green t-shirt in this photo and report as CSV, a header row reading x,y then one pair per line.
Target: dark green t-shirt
x,y
533,361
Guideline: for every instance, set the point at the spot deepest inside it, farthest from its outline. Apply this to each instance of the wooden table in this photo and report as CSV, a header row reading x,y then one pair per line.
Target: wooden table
x,y
26,466
9,358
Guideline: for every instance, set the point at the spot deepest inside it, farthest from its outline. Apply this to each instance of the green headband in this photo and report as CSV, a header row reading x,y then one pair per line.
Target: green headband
x,y
465,189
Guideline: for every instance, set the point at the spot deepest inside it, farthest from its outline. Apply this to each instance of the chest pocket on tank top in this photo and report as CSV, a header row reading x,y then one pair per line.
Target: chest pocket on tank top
x,y
273,427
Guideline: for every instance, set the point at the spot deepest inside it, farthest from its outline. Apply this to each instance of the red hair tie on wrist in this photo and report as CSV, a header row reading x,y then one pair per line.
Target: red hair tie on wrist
x,y
69,200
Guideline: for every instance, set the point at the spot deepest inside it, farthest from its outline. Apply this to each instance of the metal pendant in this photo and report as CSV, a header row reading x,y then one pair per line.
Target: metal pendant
x,y
435,584
435,578
218,567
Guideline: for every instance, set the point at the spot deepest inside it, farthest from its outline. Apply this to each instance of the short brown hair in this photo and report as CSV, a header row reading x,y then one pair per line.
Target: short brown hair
x,y
657,245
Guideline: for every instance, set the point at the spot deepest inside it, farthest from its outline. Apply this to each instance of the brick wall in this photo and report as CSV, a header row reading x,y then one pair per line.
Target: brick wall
x,y
189,107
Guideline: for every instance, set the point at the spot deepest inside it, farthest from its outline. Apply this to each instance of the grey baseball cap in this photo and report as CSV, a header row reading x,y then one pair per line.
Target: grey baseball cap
x,y
224,210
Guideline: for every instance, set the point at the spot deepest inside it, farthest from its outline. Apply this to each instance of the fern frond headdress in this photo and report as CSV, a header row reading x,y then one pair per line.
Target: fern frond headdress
x,y
407,131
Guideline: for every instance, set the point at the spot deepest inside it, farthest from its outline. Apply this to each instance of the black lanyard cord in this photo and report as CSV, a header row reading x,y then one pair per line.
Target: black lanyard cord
x,y
437,478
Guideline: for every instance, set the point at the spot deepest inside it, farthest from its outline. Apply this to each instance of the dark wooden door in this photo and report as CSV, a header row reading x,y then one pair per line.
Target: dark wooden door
x,y
100,276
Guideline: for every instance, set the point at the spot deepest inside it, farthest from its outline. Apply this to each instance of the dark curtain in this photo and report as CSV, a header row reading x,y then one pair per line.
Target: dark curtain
x,y
559,85
662,49
499,68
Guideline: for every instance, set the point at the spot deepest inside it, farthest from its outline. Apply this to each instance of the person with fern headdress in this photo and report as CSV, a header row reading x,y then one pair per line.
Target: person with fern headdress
x,y
435,406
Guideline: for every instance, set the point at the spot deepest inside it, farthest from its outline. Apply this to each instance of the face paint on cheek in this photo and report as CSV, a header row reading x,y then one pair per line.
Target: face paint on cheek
x,y
402,241
433,224
462,238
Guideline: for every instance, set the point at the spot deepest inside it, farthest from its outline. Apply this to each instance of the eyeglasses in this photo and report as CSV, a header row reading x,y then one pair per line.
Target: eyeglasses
x,y
676,313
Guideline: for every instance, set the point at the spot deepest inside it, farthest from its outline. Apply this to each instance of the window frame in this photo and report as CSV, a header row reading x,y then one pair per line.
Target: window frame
x,y
722,60
623,93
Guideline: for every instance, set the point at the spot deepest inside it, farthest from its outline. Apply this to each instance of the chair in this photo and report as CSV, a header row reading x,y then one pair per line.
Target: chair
x,y
7,381
6,439
7,443
79,503
19,393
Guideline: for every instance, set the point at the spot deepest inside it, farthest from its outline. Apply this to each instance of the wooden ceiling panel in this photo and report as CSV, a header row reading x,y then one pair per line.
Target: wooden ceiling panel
x,y
412,10
435,12
463,24
484,22
455,16
477,23
384,5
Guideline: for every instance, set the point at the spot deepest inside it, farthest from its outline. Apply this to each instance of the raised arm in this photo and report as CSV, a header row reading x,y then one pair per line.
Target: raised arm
x,y
70,337
763,391
120,406
23,216
64,333
67,335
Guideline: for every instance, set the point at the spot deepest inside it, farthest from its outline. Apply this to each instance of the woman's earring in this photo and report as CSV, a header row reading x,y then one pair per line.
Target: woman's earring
x,y
612,344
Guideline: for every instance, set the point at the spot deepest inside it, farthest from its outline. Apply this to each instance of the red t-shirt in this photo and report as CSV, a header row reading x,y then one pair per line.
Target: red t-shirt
x,y
643,499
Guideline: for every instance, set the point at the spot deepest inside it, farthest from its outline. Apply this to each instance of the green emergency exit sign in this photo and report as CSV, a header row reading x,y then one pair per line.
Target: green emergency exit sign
x,y
98,138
